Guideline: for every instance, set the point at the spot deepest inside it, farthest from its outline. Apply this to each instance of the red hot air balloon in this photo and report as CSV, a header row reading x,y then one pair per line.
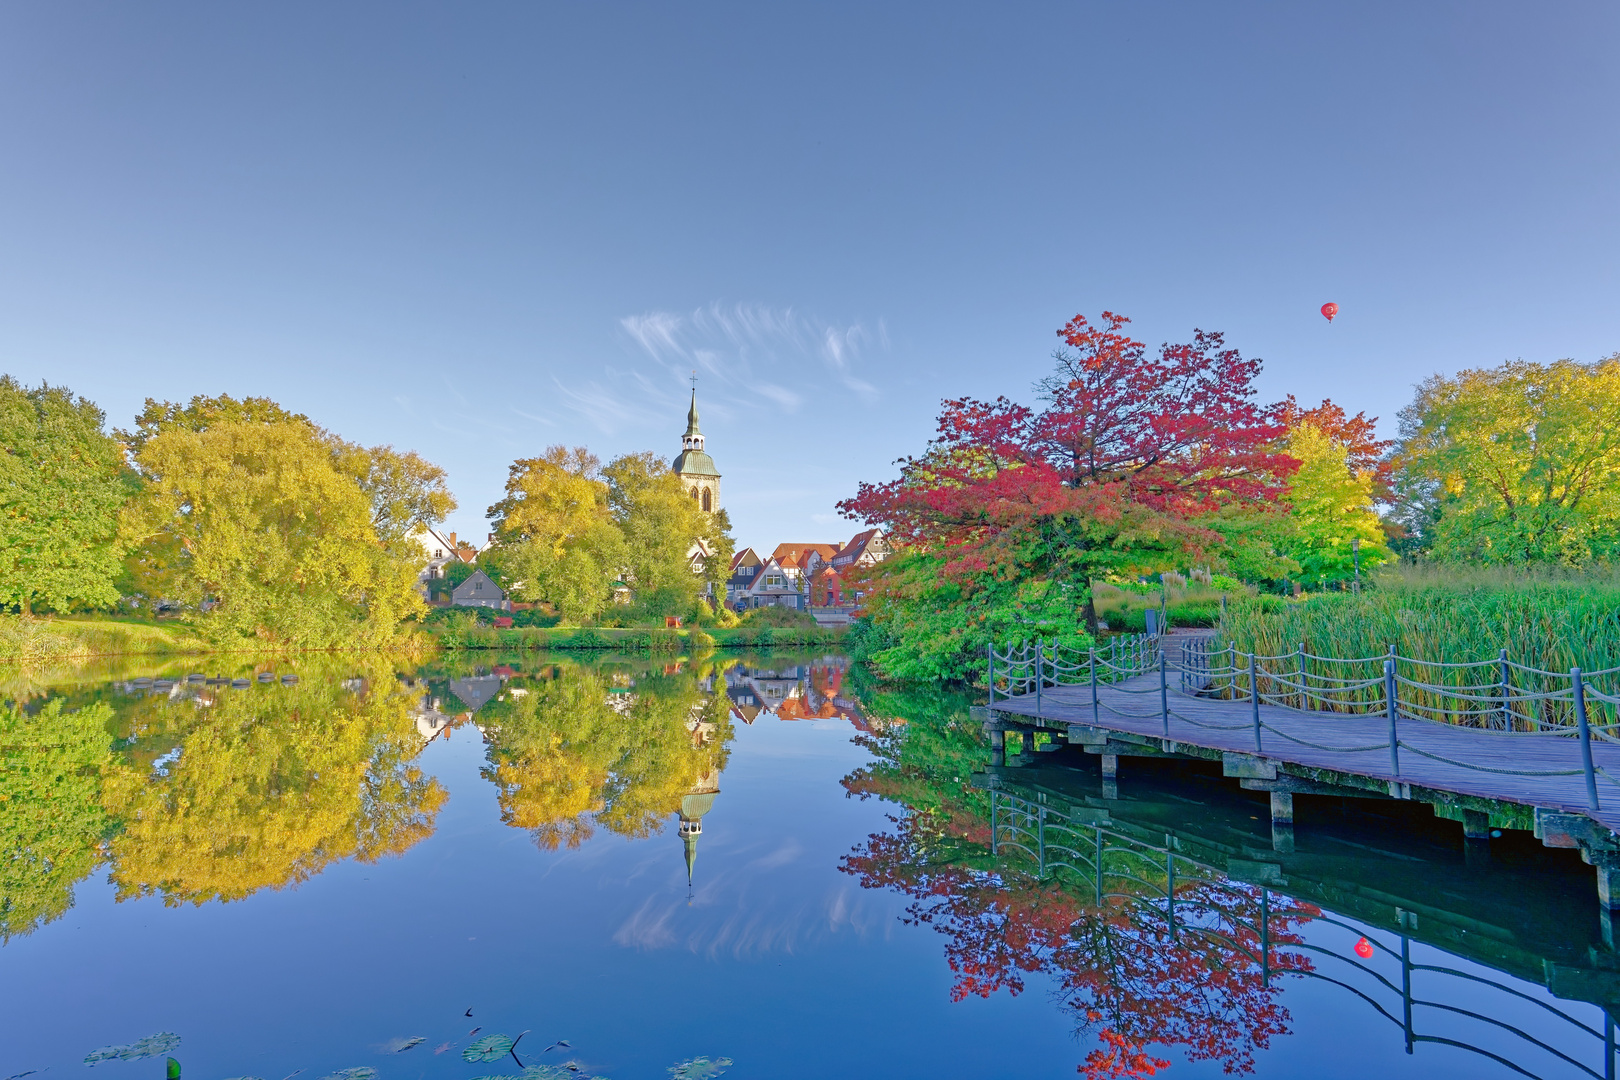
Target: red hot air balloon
x,y
1329,310
1364,949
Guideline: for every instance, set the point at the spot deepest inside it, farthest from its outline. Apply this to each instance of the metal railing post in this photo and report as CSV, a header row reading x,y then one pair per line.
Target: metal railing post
x,y
1586,737
1507,692
990,669
1394,710
1099,867
1304,702
1095,716
1039,677
1164,693
994,851
1406,983
1254,700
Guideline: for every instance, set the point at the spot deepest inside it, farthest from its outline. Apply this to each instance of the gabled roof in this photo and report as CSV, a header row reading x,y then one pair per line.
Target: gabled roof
x,y
856,546
745,557
797,552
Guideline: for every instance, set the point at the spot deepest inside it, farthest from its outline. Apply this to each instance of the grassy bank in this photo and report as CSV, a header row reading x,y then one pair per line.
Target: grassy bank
x,y
655,641
1550,622
52,639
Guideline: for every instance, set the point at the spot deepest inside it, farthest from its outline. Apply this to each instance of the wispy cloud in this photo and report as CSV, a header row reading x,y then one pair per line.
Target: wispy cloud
x,y
746,357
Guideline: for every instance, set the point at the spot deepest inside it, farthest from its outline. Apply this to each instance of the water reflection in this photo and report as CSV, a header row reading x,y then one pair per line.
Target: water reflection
x,y
1160,915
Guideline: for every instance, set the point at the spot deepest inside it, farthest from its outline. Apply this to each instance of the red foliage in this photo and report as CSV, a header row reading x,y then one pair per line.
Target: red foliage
x,y
1127,442
1130,975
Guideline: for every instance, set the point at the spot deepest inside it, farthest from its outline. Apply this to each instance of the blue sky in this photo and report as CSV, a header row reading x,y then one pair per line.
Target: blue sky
x,y
476,230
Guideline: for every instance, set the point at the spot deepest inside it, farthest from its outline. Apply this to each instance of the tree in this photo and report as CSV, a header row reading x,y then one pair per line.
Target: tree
x,y
1331,508
661,524
1118,475
557,541
1515,464
62,481
300,537
273,533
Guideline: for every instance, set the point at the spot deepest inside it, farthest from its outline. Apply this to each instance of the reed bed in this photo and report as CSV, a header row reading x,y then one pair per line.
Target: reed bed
x,y
1545,624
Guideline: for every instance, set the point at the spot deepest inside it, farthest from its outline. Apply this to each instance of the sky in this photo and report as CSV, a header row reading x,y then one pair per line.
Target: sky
x,y
474,231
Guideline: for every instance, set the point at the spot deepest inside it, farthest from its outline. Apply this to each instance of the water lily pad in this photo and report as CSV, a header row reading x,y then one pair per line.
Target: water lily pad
x,y
360,1073
151,1046
489,1048
402,1044
699,1068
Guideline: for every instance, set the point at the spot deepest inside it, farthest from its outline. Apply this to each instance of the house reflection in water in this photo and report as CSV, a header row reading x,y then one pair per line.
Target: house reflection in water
x,y
811,691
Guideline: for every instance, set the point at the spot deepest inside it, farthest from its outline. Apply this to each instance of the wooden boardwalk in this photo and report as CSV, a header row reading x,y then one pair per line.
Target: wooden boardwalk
x,y
1441,757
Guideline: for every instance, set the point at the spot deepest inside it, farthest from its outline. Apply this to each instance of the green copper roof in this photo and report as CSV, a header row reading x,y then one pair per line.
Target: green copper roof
x,y
695,463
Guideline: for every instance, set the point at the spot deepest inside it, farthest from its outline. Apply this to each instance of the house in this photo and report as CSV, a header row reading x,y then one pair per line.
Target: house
x,y
439,549
864,549
744,568
764,585
480,590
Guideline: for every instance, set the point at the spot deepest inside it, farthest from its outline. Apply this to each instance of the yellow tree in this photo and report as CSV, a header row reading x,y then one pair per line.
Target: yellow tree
x,y
266,787
260,520
1515,464
557,539
1332,507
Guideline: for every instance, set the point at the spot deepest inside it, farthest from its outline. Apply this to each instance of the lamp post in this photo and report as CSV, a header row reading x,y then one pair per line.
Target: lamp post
x,y
1355,553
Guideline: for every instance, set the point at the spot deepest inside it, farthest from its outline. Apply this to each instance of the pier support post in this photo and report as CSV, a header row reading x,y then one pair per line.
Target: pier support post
x,y
1608,888
1110,766
1476,824
1282,807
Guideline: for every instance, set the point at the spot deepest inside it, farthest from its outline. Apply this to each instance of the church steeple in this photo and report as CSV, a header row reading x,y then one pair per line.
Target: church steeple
x,y
693,439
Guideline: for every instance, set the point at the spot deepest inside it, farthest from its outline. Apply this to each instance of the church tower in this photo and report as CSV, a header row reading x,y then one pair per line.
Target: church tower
x,y
696,468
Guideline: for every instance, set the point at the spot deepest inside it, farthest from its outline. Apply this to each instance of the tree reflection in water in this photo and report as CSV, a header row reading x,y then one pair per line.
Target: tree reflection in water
x,y
577,747
205,792
1136,970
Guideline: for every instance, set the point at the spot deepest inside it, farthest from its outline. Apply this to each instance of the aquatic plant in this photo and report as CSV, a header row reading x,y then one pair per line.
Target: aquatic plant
x,y
151,1046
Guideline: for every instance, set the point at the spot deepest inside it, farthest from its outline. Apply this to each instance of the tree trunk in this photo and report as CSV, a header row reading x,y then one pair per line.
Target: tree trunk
x,y
1090,612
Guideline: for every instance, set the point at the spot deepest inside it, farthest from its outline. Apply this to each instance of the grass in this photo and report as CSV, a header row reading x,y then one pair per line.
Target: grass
x,y
1126,608
1547,620
45,640
654,641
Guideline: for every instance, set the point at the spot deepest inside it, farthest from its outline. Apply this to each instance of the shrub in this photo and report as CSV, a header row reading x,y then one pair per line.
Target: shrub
x,y
778,616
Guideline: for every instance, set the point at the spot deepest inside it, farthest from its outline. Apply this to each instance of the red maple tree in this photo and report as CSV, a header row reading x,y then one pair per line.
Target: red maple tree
x,y
1132,445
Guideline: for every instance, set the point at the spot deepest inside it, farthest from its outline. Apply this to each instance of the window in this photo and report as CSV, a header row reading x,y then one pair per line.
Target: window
x,y
438,553
478,586
707,503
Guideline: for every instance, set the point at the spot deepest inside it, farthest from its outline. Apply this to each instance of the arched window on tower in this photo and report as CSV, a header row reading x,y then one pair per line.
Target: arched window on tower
x,y
708,501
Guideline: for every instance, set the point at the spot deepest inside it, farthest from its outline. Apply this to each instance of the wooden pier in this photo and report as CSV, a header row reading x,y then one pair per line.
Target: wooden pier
x,y
1562,786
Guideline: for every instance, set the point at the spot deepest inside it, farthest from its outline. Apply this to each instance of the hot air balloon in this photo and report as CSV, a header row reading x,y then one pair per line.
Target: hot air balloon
x,y
1329,310
1364,949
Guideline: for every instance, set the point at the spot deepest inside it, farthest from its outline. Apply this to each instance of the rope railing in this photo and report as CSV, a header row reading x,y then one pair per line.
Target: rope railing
x,y
1490,695
1112,866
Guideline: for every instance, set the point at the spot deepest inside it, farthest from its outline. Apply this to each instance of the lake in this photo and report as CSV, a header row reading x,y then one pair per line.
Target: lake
x,y
755,866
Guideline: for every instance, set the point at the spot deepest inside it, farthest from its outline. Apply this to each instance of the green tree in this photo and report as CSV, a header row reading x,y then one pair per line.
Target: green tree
x,y
62,481
1331,507
662,524
557,540
1515,464
51,820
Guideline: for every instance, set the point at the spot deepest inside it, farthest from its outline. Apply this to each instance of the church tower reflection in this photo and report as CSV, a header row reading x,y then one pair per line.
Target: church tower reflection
x,y
696,803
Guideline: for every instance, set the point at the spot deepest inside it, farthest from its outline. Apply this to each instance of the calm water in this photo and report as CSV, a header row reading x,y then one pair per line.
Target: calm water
x,y
761,861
